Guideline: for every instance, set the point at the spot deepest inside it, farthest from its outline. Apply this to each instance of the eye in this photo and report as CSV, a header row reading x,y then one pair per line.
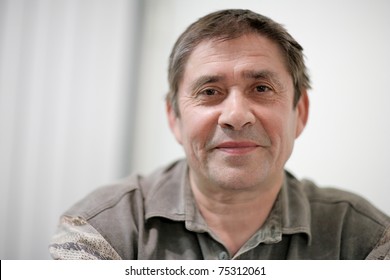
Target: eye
x,y
262,88
209,92
209,95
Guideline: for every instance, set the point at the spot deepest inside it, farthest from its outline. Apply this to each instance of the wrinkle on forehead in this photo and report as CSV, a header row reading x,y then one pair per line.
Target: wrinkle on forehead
x,y
244,49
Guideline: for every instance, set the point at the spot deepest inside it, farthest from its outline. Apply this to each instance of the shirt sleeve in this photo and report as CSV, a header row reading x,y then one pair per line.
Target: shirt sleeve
x,y
382,249
76,239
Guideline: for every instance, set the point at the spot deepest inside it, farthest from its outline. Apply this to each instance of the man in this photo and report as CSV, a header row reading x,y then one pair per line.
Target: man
x,y
237,102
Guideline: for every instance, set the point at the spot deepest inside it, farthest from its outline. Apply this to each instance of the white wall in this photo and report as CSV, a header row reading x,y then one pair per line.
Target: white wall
x,y
65,78
346,43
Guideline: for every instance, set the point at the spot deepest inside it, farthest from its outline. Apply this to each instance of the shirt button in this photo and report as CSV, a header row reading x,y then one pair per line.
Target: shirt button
x,y
223,255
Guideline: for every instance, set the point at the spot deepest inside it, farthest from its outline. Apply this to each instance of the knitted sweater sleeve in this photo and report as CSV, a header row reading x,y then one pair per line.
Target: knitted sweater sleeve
x,y
76,239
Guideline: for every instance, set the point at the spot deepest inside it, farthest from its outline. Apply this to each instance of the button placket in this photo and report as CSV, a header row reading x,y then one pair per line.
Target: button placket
x,y
223,255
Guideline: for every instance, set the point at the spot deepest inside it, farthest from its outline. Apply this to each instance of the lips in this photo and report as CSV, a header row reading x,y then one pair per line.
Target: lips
x,y
237,147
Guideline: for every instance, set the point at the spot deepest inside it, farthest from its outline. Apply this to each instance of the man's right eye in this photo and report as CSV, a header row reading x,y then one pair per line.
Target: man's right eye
x,y
209,92
210,95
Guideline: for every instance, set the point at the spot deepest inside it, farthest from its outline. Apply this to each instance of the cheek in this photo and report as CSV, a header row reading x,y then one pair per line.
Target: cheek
x,y
289,135
280,127
198,127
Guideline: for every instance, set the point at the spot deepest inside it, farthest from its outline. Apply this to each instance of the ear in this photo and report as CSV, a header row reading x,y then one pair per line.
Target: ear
x,y
174,122
302,113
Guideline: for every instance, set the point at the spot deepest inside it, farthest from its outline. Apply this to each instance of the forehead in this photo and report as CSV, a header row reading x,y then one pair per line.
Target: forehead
x,y
250,52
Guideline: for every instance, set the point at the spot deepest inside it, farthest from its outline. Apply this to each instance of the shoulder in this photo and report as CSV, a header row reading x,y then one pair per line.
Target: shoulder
x,y
355,226
90,229
107,197
130,192
338,199
113,214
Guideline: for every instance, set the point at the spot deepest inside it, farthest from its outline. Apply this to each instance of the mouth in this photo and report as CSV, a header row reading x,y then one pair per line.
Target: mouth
x,y
237,147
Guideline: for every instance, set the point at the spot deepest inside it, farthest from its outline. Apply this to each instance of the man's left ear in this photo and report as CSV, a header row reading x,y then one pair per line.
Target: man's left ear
x,y
302,108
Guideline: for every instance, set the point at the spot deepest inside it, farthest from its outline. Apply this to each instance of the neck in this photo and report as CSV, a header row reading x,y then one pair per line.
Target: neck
x,y
235,215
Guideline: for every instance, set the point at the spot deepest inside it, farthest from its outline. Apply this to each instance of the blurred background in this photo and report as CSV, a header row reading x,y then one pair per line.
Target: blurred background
x,y
82,86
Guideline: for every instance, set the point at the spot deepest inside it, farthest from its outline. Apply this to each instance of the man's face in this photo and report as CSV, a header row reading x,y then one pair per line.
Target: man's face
x,y
237,123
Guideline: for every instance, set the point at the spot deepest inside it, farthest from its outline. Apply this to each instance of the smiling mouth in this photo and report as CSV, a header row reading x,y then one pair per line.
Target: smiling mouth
x,y
237,148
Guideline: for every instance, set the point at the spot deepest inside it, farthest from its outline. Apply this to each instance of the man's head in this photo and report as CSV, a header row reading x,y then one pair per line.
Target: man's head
x,y
238,100
230,24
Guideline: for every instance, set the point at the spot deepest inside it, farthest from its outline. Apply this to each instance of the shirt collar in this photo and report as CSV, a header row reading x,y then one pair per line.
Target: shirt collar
x,y
170,197
296,213
166,193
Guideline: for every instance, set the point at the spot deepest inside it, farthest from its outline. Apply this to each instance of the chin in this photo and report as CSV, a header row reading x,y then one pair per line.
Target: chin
x,y
237,180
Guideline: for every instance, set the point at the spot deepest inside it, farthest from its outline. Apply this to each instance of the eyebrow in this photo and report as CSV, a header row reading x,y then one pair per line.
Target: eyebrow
x,y
263,75
206,79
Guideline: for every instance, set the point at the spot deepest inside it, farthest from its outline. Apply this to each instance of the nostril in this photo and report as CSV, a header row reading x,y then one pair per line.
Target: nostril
x,y
236,121
228,126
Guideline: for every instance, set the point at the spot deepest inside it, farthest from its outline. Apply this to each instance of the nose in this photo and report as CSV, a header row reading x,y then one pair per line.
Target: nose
x,y
236,112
